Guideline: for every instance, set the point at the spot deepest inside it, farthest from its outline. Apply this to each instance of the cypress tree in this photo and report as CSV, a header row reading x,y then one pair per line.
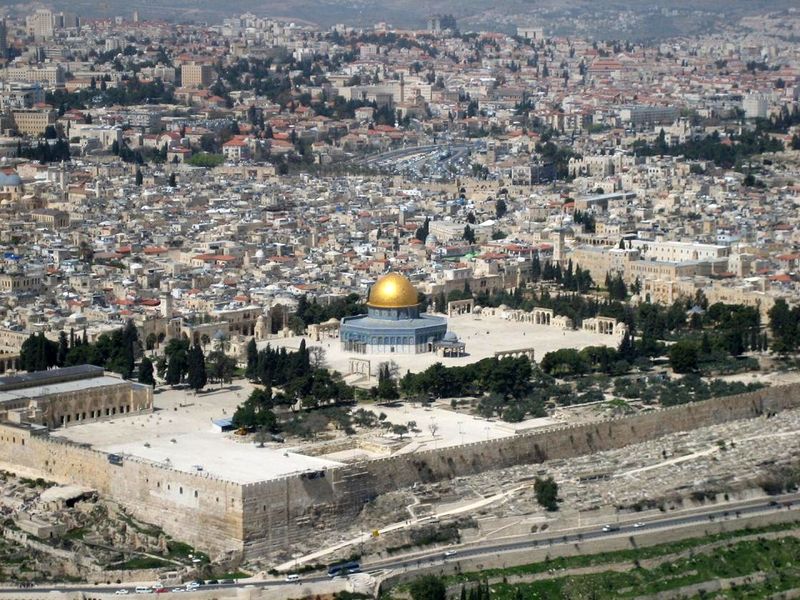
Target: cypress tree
x,y
63,348
196,364
176,367
146,372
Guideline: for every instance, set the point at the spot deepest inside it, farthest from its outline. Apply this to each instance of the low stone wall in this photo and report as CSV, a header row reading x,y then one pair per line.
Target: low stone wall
x,y
74,564
135,576
565,441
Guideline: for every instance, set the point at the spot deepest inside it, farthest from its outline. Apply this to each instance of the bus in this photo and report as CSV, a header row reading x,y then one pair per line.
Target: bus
x,y
343,569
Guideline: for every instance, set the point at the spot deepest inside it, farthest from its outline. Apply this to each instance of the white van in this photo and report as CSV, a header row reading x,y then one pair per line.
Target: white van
x,y
292,577
142,589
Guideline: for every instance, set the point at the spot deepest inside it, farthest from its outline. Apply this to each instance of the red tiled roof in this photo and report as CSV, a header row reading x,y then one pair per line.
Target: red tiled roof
x,y
782,278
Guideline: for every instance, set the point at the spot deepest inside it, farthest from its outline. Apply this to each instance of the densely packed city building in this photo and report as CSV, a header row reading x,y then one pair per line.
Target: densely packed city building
x,y
182,203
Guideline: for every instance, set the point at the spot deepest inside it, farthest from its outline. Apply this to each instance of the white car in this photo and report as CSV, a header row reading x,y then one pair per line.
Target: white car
x,y
637,525
449,553
122,592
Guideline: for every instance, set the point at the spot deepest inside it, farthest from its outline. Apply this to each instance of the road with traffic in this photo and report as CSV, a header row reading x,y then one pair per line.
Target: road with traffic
x,y
728,512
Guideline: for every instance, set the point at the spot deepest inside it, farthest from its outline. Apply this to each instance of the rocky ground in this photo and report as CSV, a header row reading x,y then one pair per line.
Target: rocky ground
x,y
63,533
676,471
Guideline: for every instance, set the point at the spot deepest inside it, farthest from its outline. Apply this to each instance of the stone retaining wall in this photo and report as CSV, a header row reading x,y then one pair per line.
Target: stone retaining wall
x,y
220,516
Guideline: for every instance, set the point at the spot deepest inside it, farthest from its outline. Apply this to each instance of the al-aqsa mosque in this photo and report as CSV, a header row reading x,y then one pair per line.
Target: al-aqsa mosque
x,y
393,323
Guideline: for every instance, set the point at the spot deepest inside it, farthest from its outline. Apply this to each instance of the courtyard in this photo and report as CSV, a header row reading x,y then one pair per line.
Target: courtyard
x,y
180,432
483,335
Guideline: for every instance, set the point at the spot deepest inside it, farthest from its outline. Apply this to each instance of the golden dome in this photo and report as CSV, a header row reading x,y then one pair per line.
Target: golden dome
x,y
392,291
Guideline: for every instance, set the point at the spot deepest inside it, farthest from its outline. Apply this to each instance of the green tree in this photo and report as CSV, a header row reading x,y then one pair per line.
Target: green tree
x,y
38,353
428,587
387,386
783,323
705,345
500,208
177,364
220,367
146,372
123,356
196,368
566,361
422,232
734,343
206,160
627,349
63,349
469,234
151,341
536,268
256,412
683,356
546,491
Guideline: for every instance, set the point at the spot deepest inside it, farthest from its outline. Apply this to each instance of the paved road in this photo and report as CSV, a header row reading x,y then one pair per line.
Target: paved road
x,y
457,150
731,511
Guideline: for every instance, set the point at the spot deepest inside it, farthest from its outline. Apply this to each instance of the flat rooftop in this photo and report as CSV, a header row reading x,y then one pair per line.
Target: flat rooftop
x,y
223,456
49,389
180,434
186,418
39,378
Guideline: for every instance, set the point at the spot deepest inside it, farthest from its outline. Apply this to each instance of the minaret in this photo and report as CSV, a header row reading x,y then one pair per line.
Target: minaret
x,y
166,305
558,246
62,176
